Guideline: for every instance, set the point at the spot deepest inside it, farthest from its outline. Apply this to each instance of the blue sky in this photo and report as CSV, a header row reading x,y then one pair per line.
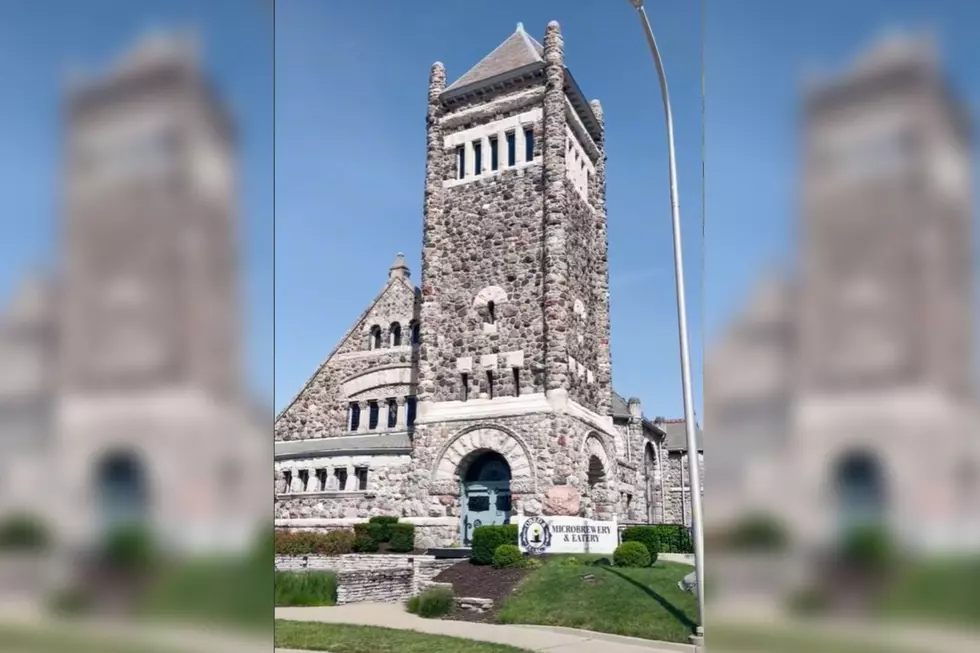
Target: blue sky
x,y
351,83
39,39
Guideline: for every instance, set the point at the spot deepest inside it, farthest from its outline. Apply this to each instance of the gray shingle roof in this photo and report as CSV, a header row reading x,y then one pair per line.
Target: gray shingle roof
x,y
518,50
389,443
620,409
677,435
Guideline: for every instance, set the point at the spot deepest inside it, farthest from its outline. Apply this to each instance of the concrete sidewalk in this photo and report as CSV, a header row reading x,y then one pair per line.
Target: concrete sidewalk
x,y
532,638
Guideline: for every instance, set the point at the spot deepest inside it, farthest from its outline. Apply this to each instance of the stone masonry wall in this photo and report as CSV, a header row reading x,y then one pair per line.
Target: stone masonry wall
x,y
383,585
678,502
321,409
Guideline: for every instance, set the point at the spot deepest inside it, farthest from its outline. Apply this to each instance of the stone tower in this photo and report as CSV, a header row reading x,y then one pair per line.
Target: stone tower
x,y
149,346
514,353
514,245
149,283
884,324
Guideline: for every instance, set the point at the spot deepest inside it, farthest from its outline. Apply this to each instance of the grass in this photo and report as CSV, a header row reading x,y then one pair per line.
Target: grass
x,y
644,602
305,588
368,639
739,639
33,640
945,591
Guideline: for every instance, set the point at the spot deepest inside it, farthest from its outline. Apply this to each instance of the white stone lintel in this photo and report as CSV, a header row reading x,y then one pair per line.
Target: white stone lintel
x,y
488,361
514,358
464,364
555,402
314,522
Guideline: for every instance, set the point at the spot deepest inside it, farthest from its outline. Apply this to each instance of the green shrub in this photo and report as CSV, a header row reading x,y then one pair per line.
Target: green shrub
x,y
412,604
299,543
507,555
381,527
23,533
435,602
661,538
486,539
402,538
868,547
129,547
631,554
648,536
305,588
758,533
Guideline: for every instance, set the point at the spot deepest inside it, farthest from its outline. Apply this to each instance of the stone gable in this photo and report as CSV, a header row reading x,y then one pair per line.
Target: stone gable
x,y
357,370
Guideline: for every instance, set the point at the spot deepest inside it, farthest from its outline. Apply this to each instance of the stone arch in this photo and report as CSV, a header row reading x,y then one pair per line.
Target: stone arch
x,y
469,444
653,484
599,475
494,294
374,337
395,334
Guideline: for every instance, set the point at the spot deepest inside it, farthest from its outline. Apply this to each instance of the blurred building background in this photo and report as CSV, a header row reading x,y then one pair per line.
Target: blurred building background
x,y
121,384
841,394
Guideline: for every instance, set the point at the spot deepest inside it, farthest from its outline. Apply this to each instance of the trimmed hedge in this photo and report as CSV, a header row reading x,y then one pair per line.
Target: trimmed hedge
x,y
402,538
381,527
486,539
309,543
660,538
366,538
631,554
508,555
23,533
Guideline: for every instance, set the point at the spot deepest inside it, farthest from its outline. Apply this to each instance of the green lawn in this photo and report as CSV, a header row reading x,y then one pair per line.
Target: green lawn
x,y
18,639
635,602
338,638
945,591
743,639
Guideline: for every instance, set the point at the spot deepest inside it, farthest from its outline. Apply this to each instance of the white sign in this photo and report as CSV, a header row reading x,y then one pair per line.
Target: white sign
x,y
538,535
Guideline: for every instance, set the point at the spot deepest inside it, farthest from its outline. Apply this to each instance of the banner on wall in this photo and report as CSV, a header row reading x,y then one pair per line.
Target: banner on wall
x,y
541,535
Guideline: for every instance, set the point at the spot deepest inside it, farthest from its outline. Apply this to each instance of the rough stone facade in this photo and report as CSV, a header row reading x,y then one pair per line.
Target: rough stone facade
x,y
511,354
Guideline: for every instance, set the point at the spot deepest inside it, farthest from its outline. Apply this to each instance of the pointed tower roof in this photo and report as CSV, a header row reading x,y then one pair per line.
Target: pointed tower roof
x,y
399,268
517,51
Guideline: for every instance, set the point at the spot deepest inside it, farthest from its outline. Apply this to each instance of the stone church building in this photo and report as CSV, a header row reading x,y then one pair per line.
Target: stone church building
x,y
487,392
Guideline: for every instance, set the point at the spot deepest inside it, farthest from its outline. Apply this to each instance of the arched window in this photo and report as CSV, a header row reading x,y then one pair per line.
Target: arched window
x,y
415,332
396,334
375,342
491,313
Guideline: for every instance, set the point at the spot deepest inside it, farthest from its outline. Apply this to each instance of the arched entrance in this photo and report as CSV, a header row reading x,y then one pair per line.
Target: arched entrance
x,y
485,493
121,491
859,486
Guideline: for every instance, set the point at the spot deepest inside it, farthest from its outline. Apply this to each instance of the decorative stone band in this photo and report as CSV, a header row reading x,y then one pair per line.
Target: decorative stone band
x,y
555,401
315,522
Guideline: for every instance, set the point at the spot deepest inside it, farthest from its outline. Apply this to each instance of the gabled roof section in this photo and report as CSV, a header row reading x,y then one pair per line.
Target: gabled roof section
x,y
517,51
393,280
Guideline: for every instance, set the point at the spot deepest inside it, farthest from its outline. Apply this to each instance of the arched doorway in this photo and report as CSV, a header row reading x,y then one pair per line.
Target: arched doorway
x,y
121,491
860,491
485,495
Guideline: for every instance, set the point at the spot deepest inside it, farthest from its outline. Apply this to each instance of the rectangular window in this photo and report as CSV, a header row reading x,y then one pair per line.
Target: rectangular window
x,y
288,477
392,414
373,415
361,474
460,161
511,149
410,411
477,157
517,382
304,478
321,480
490,383
341,475
466,386
494,155
355,416
529,144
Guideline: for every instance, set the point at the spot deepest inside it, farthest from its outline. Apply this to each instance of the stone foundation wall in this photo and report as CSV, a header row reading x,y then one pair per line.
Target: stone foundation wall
x,y
384,585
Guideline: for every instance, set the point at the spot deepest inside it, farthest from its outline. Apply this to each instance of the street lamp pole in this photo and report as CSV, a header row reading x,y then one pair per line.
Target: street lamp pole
x,y
692,444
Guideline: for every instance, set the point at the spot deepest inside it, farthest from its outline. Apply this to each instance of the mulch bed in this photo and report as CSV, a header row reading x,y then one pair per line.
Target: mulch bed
x,y
484,582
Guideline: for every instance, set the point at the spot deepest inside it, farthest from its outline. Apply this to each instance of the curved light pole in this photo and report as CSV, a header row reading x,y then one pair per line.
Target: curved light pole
x,y
692,445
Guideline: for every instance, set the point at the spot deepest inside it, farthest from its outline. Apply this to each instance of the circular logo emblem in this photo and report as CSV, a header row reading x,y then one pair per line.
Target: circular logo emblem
x,y
477,524
535,536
